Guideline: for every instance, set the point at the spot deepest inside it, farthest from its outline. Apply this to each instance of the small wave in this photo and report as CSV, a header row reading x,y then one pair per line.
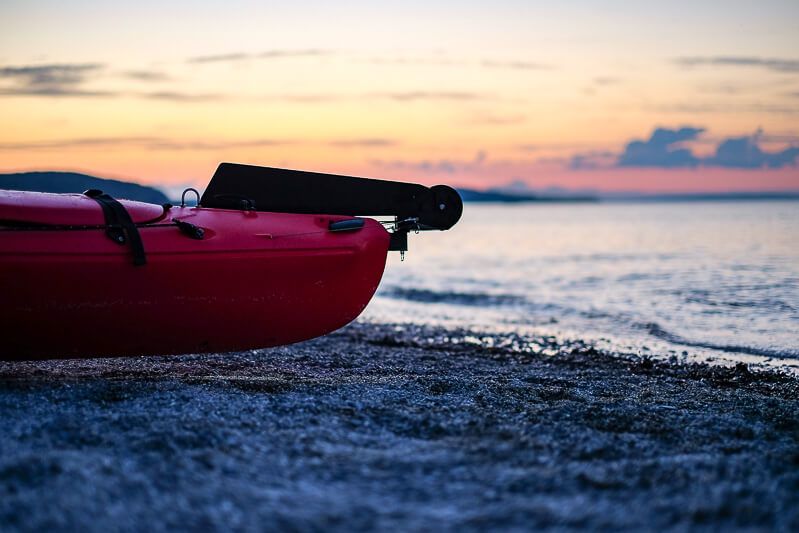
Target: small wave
x,y
609,257
585,282
452,297
644,276
769,304
654,329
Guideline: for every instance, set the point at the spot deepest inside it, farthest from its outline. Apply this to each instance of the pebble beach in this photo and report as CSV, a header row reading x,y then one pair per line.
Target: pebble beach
x,y
382,426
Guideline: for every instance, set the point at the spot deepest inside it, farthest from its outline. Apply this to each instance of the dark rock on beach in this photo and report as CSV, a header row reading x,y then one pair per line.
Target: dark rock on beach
x,y
398,427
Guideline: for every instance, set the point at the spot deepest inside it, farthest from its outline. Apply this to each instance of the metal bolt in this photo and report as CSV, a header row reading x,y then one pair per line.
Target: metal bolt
x,y
441,207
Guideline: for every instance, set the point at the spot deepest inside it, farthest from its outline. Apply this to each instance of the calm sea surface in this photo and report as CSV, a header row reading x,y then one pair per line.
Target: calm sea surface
x,y
704,279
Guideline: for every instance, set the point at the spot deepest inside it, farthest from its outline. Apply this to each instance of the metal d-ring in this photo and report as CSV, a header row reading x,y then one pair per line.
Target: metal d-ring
x,y
183,196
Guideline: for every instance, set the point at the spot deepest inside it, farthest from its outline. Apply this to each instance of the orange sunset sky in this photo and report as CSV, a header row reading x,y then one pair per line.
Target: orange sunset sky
x,y
602,95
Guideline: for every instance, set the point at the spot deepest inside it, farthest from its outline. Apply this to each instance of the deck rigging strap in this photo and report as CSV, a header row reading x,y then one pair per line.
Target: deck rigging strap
x,y
120,228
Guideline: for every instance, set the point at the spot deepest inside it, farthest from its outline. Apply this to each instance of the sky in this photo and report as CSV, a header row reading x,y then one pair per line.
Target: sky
x,y
580,95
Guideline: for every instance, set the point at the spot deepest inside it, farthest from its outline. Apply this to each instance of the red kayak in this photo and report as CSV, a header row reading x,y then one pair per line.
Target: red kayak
x,y
253,265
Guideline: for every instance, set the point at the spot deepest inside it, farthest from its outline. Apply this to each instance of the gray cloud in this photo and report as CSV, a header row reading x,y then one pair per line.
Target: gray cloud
x,y
174,96
55,92
721,88
49,75
407,96
219,58
744,152
269,54
565,161
728,108
555,147
591,160
606,80
427,166
308,52
600,82
62,80
66,80
160,143
663,150
146,75
448,62
490,119
772,64
410,96
309,98
514,65
415,61
364,143
659,150
50,80
152,143
790,138
74,143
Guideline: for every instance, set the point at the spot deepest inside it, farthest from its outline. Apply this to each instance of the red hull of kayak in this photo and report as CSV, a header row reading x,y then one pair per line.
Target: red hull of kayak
x,y
256,279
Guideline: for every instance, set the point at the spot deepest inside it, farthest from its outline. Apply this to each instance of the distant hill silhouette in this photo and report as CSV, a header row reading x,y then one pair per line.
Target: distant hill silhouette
x,y
471,195
62,182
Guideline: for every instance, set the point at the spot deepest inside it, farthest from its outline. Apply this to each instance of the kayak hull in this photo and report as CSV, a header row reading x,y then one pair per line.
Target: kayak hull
x,y
255,280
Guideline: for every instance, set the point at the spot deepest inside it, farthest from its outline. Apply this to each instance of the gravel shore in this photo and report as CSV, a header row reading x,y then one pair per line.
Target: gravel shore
x,y
397,427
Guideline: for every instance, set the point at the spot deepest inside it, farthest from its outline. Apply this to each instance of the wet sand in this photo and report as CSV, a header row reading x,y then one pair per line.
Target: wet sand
x,y
398,428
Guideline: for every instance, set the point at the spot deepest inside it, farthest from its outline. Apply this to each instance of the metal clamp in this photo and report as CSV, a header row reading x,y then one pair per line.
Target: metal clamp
x,y
183,196
235,201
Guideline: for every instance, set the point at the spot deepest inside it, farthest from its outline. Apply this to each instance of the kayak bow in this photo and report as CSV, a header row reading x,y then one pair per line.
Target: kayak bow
x,y
268,257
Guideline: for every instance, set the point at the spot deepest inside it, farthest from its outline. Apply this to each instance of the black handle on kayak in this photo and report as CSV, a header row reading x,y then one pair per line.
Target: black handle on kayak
x,y
295,191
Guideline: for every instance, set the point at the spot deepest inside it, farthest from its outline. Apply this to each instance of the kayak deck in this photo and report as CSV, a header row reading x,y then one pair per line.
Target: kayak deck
x,y
254,265
255,279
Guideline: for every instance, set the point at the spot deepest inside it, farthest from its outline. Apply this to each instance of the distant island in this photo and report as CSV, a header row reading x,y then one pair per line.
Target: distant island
x,y
471,195
701,196
72,182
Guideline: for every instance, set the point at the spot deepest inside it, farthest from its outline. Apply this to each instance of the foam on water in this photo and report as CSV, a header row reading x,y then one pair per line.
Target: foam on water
x,y
720,279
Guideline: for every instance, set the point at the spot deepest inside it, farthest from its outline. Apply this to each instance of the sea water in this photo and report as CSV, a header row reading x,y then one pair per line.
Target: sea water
x,y
716,280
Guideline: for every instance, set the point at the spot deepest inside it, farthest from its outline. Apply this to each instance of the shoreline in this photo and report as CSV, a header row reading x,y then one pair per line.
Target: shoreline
x,y
402,427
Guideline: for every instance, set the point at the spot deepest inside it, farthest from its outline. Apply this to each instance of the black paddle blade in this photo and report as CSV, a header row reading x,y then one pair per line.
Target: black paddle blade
x,y
235,186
